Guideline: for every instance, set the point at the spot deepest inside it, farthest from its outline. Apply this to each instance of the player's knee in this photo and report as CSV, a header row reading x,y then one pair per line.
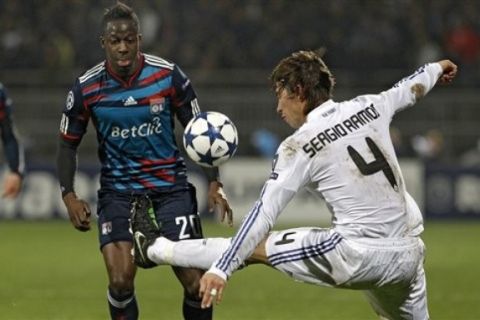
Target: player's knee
x,y
191,287
190,279
259,255
121,284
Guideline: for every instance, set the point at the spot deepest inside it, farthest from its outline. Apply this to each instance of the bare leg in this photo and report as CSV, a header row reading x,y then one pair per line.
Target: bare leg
x,y
121,275
190,280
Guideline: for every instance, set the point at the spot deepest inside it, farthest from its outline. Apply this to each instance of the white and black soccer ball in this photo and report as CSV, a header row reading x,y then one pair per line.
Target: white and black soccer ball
x,y
210,139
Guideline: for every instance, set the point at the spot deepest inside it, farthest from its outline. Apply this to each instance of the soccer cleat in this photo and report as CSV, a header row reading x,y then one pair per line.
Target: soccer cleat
x,y
145,230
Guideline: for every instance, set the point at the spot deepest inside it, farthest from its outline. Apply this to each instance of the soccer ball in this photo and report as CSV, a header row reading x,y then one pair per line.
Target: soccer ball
x,y
210,139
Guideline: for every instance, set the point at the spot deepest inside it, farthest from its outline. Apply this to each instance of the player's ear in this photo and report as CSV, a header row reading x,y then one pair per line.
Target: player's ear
x,y
300,92
102,42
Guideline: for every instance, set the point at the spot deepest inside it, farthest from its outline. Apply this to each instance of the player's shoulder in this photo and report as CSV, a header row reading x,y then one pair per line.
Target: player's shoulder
x,y
366,99
298,139
158,62
292,145
92,73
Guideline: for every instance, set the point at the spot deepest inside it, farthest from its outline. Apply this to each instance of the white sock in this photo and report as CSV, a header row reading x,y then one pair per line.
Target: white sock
x,y
197,253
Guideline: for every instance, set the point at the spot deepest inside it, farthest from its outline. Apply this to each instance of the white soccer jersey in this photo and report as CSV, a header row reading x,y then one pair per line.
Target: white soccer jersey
x,y
344,154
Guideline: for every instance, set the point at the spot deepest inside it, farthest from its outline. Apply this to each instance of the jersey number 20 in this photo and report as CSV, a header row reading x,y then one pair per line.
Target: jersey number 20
x,y
379,164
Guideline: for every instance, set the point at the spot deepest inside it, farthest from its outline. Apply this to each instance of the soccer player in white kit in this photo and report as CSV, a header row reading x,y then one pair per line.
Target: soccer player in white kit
x,y
342,152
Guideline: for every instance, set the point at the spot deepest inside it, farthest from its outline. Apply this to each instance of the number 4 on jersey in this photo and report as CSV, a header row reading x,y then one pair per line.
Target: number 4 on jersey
x,y
379,164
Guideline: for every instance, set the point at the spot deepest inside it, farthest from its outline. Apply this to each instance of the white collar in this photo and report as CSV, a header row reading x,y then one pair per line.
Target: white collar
x,y
321,108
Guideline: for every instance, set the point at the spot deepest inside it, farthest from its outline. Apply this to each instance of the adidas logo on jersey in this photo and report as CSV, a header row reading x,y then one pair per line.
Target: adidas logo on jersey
x,y
130,102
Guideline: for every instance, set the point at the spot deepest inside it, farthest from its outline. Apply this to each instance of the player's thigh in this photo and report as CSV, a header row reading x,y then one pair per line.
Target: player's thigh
x,y
114,235
118,261
177,213
113,222
402,301
312,255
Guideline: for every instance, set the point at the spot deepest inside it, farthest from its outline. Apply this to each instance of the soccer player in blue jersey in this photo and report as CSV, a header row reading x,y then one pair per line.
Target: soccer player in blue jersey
x,y
13,178
133,99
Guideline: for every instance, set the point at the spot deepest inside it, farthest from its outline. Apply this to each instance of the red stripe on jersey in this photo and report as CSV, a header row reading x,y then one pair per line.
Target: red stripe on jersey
x,y
90,88
175,101
156,162
2,114
154,77
160,94
146,183
94,99
69,137
165,175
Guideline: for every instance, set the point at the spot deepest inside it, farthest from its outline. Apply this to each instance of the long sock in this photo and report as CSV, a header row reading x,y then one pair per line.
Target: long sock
x,y
122,306
192,310
198,253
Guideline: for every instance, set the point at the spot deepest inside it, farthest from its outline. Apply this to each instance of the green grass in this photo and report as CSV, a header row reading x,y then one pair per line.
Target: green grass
x,y
50,271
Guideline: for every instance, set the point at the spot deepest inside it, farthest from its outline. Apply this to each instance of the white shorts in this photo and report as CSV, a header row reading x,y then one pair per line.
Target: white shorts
x,y
389,271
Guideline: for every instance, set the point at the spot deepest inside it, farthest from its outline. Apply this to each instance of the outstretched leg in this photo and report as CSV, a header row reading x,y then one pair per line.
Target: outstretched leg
x,y
197,253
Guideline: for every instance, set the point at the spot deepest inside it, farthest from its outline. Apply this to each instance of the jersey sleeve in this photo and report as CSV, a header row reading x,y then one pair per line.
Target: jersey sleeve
x,y
75,116
409,90
290,172
12,149
185,99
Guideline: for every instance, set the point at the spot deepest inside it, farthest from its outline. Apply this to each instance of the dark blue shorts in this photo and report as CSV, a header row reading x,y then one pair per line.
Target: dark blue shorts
x,y
176,211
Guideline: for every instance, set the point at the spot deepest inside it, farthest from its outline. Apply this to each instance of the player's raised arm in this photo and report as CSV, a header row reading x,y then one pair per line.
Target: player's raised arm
x,y
409,90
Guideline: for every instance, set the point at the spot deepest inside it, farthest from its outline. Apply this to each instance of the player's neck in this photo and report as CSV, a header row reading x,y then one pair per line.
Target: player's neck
x,y
127,78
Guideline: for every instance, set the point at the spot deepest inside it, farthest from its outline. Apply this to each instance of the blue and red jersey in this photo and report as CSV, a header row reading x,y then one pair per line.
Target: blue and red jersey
x,y
135,123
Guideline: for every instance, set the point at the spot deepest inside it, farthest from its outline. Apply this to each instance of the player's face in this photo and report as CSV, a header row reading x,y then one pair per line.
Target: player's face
x,y
290,108
121,42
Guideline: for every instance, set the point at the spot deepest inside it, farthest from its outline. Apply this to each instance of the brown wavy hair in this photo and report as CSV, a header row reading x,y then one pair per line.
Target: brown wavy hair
x,y
304,73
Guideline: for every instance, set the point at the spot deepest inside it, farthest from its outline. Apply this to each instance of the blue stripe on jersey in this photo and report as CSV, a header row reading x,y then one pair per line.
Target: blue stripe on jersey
x,y
241,234
114,96
306,252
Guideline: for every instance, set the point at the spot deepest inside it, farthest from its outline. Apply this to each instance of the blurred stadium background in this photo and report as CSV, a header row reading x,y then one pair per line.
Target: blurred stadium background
x,y
228,49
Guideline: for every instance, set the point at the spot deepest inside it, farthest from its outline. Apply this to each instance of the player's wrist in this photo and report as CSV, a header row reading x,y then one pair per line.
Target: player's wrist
x,y
16,173
216,184
216,271
69,196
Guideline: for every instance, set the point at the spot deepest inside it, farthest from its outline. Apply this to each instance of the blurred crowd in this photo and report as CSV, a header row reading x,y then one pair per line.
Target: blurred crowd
x,y
358,34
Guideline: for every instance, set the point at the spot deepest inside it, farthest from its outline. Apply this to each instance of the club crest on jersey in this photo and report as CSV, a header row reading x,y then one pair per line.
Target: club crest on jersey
x,y
157,105
106,228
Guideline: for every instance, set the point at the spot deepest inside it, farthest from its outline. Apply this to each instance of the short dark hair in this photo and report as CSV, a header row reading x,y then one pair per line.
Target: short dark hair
x,y
120,11
305,70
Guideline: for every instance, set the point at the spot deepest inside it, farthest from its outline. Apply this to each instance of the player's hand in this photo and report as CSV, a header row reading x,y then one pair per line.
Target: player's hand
x,y
211,289
78,210
217,200
12,185
449,71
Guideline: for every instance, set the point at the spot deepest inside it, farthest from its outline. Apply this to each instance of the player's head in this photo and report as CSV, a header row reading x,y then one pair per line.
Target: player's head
x,y
302,81
121,39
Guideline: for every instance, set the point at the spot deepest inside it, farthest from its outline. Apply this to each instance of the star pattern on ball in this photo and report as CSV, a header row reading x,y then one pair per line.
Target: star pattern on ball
x,y
188,138
210,139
